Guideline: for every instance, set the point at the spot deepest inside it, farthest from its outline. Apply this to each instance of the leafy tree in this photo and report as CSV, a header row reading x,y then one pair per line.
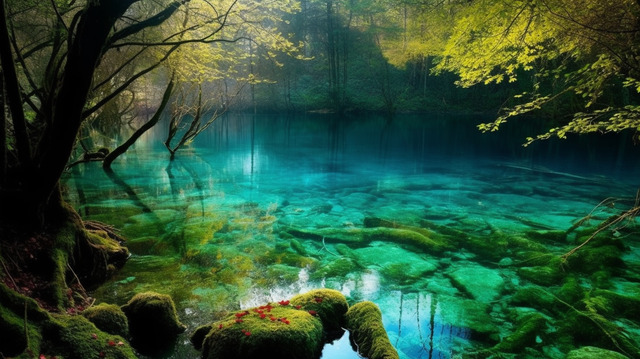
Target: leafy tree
x,y
63,63
583,49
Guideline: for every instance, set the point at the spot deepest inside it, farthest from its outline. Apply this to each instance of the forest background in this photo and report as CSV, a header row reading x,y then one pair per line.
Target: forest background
x,y
75,74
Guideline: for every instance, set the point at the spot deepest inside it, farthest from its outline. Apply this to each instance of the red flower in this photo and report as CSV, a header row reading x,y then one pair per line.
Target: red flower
x,y
313,312
112,343
42,356
273,319
220,326
262,315
318,299
94,335
239,320
298,306
284,302
247,333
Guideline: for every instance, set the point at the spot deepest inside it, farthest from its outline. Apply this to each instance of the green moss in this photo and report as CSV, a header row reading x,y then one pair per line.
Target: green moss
x,y
549,236
534,297
153,321
590,259
527,329
339,267
298,247
63,336
272,330
571,291
330,306
621,305
546,275
364,322
76,337
14,338
109,318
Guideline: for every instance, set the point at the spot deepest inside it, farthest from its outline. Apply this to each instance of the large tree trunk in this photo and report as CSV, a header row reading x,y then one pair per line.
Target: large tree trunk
x,y
84,54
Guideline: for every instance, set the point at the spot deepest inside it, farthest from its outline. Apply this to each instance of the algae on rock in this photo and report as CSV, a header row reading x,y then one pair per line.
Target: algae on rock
x,y
367,333
153,321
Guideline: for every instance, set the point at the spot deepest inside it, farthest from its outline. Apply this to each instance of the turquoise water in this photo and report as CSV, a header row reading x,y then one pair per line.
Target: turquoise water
x,y
260,208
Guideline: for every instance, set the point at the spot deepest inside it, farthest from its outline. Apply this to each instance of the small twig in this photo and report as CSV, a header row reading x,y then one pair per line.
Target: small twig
x,y
6,270
324,246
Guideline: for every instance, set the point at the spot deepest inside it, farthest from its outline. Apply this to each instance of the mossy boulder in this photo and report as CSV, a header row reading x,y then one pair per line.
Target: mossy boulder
x,y
589,352
533,297
367,333
108,318
528,328
277,330
153,321
590,259
23,323
330,306
290,329
546,275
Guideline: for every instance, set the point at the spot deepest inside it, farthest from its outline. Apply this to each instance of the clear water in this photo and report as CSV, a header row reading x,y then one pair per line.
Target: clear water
x,y
216,227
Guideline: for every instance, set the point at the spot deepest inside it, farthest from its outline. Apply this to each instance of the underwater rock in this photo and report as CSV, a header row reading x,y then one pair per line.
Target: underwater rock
x,y
153,321
571,291
289,329
367,333
590,259
527,330
330,306
589,352
542,275
533,297
548,236
108,318
298,247
339,267
479,282
470,314
621,305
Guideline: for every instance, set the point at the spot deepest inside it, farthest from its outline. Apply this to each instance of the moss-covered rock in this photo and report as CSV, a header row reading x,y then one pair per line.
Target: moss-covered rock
x,y
571,291
621,305
26,329
275,330
589,352
590,259
524,335
340,267
330,306
534,297
290,329
547,275
76,337
108,318
153,321
367,333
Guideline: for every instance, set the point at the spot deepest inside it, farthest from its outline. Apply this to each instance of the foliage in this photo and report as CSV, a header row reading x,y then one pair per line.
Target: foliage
x,y
585,48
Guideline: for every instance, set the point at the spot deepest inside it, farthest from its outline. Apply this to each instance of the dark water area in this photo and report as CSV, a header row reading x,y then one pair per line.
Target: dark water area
x,y
262,207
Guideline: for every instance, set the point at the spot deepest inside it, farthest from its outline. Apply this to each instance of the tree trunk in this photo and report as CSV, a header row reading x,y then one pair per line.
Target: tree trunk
x,y
83,56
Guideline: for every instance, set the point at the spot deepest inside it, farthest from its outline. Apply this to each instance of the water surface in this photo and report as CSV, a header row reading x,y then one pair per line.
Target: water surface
x,y
260,208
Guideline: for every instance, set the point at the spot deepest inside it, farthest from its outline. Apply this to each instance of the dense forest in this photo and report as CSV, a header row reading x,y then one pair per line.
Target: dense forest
x,y
74,73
